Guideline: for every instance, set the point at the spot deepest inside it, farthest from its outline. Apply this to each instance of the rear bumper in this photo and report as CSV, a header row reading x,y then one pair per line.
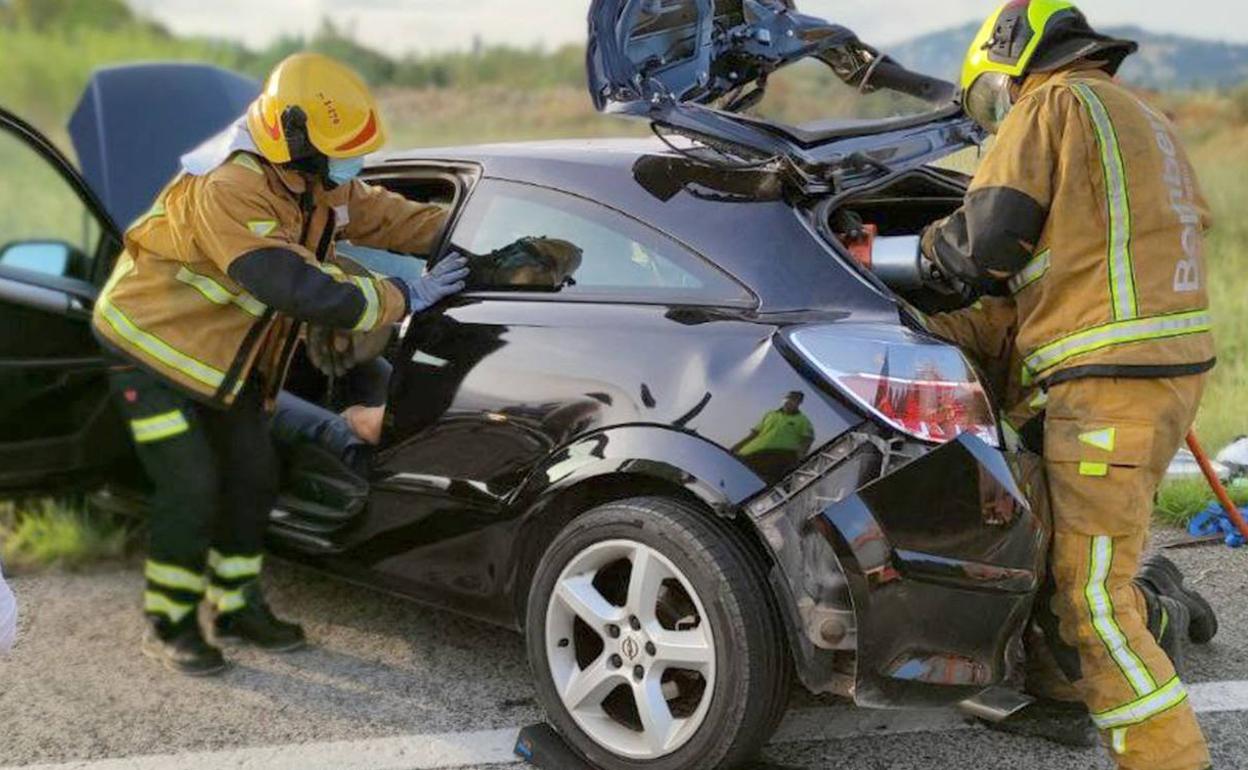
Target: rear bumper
x,y
908,576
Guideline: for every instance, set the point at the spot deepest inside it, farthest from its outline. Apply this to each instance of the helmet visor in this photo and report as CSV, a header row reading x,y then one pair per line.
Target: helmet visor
x,y
988,101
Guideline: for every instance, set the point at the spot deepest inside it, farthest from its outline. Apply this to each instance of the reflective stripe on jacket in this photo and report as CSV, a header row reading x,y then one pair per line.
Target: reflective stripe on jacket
x,y
217,279
1087,208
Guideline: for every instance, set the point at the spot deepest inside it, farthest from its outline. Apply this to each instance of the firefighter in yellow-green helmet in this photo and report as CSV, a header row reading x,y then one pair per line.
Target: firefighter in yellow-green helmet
x,y
1086,213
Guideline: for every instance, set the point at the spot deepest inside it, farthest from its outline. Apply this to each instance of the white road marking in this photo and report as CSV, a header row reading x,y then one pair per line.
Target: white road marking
x,y
468,749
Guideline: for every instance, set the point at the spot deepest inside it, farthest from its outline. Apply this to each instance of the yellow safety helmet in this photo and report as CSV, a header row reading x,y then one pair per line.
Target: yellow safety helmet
x,y
1026,36
311,103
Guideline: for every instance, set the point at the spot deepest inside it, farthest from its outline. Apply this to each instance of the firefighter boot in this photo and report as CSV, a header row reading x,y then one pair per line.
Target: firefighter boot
x,y
254,623
1165,578
1170,622
182,649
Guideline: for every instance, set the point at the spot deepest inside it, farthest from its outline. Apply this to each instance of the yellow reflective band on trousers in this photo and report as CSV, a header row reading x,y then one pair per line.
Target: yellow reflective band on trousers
x,y
159,427
175,577
1118,739
1034,271
1142,709
218,294
234,567
1111,334
158,604
372,304
1121,271
1102,607
226,601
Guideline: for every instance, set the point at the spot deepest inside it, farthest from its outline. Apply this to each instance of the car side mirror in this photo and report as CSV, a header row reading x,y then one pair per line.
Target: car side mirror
x,y
44,257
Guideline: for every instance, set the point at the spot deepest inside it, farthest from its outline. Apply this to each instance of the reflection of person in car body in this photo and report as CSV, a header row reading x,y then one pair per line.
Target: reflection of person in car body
x,y
206,306
779,441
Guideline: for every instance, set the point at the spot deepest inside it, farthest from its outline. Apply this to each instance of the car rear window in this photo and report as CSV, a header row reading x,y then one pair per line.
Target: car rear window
x,y
521,237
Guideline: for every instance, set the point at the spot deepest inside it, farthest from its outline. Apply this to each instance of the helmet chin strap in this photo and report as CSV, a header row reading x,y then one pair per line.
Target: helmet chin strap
x,y
305,158
314,167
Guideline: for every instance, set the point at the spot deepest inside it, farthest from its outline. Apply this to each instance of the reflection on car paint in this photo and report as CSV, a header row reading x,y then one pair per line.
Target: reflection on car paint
x,y
779,441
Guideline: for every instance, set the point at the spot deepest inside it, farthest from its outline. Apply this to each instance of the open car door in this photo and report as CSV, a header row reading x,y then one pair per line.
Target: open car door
x,y
692,67
59,237
56,243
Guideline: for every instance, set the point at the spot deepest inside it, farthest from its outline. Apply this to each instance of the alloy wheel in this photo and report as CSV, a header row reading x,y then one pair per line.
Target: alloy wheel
x,y
631,652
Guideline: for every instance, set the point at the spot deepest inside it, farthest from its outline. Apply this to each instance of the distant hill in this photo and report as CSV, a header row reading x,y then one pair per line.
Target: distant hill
x,y
1165,62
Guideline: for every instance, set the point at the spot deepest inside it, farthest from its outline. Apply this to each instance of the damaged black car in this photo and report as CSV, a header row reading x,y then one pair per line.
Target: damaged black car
x,y
709,453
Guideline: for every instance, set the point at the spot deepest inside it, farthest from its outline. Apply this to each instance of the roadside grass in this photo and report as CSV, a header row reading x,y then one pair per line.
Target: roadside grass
x,y
1179,501
1221,162
60,534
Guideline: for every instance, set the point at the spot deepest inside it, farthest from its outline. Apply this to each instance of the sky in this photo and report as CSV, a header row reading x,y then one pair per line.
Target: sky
x,y
400,26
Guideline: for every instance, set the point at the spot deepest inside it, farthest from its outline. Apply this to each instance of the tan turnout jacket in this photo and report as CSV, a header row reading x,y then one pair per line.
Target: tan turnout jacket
x,y
175,306
1088,205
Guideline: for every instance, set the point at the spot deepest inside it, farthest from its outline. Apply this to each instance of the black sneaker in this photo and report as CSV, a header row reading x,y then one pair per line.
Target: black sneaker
x,y
256,624
183,651
1060,722
1165,577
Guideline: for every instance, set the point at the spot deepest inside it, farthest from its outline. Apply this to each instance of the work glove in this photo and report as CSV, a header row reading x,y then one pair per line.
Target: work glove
x,y
336,352
446,278
329,351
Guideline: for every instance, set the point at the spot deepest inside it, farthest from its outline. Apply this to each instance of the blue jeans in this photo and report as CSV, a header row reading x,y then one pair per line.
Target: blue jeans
x,y
297,421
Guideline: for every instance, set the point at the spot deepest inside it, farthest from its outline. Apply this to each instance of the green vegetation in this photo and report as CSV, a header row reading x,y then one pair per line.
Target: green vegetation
x,y
1216,130
59,533
1179,501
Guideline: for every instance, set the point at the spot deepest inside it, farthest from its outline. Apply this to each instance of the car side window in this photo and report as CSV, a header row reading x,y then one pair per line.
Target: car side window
x,y
440,189
45,228
520,237
406,266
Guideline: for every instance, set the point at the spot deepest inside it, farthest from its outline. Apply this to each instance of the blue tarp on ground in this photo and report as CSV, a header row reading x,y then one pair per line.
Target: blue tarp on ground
x,y
135,121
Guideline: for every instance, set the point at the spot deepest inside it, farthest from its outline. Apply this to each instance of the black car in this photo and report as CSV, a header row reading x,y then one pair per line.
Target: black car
x,y
710,453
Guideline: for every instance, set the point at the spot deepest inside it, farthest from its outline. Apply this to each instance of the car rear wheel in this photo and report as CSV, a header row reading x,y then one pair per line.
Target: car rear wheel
x,y
654,639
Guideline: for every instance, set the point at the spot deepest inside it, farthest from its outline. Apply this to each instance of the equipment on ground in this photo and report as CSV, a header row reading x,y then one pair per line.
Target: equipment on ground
x,y
1232,512
541,746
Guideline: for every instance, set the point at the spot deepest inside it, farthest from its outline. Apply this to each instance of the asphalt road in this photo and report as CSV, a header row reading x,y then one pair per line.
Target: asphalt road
x,y
388,676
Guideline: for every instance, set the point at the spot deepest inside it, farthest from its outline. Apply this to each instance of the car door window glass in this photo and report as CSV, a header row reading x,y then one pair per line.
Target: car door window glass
x,y
524,238
405,266
45,227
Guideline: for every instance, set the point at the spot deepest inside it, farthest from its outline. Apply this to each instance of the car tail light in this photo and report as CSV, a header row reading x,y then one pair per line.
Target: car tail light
x,y
919,386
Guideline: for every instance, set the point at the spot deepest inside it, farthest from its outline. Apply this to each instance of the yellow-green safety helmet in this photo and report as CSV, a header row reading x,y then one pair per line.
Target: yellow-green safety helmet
x,y
1026,36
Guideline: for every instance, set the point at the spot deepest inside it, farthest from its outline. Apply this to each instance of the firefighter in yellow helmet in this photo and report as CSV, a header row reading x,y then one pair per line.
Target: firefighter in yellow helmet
x,y
1086,211
205,308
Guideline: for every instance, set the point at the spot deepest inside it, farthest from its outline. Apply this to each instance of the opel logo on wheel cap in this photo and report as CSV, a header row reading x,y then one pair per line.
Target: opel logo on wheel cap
x,y
630,648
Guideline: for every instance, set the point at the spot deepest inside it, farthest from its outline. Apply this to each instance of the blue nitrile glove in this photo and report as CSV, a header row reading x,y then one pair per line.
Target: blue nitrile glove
x,y
446,278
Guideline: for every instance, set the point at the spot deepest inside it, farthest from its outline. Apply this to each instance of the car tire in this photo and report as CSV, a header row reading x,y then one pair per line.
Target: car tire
x,y
713,714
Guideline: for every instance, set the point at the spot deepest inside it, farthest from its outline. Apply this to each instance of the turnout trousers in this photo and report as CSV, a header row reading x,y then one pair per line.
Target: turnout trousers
x,y
1107,443
215,478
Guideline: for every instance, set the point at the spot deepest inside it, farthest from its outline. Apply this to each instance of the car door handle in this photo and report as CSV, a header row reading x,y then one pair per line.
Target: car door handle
x,y
80,305
42,298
